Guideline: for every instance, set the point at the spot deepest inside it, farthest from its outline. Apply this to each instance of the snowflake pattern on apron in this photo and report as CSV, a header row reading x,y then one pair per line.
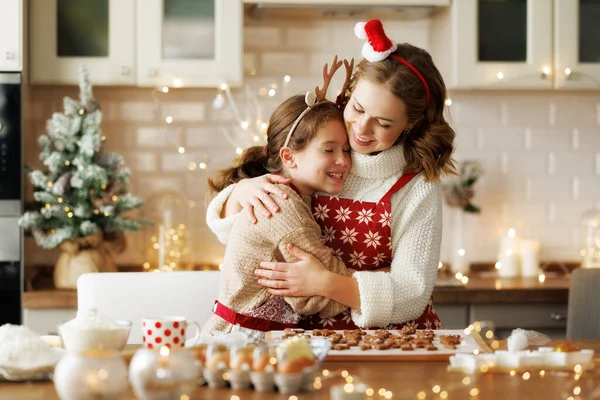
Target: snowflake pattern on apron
x,y
360,235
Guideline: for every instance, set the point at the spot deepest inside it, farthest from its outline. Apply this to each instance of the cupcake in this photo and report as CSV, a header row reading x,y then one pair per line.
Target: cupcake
x,y
216,365
295,361
263,368
240,363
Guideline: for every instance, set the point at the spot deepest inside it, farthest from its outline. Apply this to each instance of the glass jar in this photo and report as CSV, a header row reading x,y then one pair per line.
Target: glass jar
x,y
165,244
591,239
94,374
163,374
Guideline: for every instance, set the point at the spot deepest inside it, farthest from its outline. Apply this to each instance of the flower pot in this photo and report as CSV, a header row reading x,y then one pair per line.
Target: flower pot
x,y
81,256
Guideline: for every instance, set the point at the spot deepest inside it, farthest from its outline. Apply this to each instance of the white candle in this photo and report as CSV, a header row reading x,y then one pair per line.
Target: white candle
x,y
509,261
530,258
161,247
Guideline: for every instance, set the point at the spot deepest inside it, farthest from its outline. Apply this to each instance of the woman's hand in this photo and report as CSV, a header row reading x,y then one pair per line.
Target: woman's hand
x,y
306,277
252,194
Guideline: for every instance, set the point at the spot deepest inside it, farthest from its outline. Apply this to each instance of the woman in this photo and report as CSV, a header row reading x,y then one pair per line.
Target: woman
x,y
389,213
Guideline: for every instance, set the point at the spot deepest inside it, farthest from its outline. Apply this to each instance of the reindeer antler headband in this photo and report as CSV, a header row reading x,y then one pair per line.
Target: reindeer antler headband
x,y
378,47
320,95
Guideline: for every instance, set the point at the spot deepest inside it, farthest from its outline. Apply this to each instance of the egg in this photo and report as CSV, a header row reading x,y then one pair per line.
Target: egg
x,y
260,362
241,361
294,366
217,361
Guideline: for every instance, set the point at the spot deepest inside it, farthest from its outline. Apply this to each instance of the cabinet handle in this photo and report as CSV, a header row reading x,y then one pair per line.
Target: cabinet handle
x,y
10,55
558,317
124,70
152,72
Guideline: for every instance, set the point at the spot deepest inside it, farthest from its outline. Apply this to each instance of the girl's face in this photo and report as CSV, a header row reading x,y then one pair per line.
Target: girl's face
x,y
374,117
324,163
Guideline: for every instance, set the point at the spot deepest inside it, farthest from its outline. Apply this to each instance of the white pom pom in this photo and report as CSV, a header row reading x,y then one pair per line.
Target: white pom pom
x,y
359,30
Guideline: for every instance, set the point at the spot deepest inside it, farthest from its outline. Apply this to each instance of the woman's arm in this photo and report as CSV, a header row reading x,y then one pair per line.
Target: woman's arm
x,y
402,294
250,193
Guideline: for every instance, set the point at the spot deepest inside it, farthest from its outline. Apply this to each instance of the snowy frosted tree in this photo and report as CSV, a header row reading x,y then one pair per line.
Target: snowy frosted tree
x,y
84,189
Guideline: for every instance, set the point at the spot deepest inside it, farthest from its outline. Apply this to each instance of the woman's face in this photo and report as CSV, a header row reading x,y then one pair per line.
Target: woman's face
x,y
374,117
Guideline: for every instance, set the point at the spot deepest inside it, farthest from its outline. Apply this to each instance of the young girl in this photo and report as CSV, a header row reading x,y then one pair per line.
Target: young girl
x,y
391,201
307,143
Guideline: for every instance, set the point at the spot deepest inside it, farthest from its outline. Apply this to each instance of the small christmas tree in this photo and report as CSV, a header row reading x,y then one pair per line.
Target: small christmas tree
x,y
83,192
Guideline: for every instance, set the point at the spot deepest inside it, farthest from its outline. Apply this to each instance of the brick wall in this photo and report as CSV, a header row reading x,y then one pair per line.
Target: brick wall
x,y
540,150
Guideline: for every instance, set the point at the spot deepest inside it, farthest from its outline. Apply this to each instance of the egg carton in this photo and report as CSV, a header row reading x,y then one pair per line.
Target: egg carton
x,y
502,360
266,381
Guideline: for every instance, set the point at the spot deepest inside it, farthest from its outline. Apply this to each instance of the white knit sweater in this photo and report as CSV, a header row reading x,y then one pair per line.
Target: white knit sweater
x,y
402,294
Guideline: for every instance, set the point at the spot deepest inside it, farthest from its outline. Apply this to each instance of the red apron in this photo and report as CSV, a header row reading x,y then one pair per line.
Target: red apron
x,y
360,234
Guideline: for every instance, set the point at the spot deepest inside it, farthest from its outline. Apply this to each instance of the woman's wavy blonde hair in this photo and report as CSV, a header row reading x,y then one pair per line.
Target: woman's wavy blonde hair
x,y
429,145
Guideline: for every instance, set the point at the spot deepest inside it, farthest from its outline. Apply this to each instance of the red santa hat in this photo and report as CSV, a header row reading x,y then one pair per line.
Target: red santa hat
x,y
378,46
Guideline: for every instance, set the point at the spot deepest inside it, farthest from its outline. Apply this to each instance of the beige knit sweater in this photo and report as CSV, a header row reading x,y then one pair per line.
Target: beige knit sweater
x,y
249,244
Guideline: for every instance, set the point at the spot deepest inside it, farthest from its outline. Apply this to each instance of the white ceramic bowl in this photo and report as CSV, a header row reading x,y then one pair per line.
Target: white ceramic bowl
x,y
79,338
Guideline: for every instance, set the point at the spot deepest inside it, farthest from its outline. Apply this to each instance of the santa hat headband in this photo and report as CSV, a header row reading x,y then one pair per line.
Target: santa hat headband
x,y
378,47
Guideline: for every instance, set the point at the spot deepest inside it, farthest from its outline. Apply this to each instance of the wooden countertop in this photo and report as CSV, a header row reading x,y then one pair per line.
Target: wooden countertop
x,y
479,290
405,379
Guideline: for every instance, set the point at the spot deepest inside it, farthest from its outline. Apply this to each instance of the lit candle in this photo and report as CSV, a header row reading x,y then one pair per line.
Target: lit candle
x,y
530,258
509,258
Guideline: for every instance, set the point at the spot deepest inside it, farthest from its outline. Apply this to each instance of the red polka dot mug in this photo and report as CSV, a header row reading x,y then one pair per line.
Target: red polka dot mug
x,y
168,331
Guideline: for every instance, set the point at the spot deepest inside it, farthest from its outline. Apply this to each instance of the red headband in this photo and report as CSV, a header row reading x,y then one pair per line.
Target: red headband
x,y
416,71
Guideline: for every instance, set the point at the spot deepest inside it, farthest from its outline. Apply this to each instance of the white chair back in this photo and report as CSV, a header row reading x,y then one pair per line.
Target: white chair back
x,y
136,295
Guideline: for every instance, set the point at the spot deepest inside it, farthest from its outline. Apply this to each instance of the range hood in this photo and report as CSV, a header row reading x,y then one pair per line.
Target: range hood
x,y
348,3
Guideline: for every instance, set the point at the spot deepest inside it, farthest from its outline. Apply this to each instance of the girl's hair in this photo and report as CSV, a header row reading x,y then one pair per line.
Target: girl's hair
x,y
259,160
429,144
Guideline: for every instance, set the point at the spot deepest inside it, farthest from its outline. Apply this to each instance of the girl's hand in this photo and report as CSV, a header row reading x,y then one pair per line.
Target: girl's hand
x,y
301,278
252,194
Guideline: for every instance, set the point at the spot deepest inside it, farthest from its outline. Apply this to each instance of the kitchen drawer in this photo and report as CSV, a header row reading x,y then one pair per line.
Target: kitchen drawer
x,y
453,316
45,320
527,316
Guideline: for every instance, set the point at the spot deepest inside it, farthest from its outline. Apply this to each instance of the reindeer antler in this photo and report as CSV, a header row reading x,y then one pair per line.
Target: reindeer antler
x,y
349,67
322,93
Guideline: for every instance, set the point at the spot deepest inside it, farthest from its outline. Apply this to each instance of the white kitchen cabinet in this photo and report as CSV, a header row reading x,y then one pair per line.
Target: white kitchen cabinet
x,y
576,44
11,35
65,34
494,44
192,43
189,43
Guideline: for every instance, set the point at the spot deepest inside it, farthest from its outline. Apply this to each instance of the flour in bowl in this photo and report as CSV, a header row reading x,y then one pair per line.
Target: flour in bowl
x,y
23,349
91,318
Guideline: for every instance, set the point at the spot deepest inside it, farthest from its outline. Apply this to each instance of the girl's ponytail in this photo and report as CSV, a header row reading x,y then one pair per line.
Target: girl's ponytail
x,y
249,165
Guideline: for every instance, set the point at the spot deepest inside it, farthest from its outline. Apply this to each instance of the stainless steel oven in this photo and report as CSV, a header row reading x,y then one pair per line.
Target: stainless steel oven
x,y
11,170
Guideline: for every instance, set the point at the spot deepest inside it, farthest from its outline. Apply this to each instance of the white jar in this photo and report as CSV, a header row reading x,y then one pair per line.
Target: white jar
x,y
91,375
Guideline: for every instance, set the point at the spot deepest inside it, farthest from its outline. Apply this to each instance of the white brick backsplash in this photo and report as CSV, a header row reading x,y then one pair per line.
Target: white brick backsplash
x,y
141,161
206,137
557,188
519,162
262,37
465,138
308,37
135,111
183,111
531,212
510,138
528,111
589,139
251,64
569,164
150,185
550,139
570,213
589,187
160,137
176,162
581,110
284,63
472,111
